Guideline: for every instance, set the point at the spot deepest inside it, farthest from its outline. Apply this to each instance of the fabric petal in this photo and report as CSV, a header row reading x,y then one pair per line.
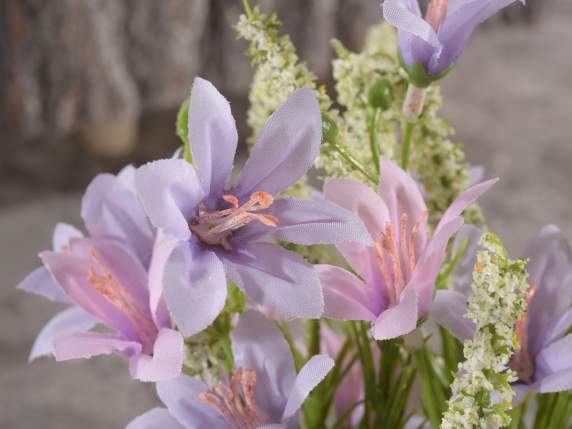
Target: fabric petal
x,y
560,381
559,328
111,210
157,418
400,319
166,362
181,396
73,319
75,345
40,282
276,278
310,222
194,287
63,233
285,148
554,358
345,296
212,136
550,268
311,374
258,344
170,192
448,310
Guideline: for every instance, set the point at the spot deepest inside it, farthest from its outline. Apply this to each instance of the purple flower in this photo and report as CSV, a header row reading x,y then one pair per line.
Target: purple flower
x,y
397,274
543,361
263,391
112,278
438,40
224,232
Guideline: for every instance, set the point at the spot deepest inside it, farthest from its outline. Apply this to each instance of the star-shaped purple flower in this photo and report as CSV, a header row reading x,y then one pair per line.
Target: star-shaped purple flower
x,y
437,40
264,390
111,278
543,361
397,274
225,231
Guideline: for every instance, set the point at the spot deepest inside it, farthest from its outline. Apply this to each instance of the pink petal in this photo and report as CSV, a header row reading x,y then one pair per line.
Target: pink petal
x,y
77,345
166,362
63,233
400,319
448,310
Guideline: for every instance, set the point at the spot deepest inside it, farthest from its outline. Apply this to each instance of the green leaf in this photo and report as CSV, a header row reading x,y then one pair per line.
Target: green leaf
x,y
183,128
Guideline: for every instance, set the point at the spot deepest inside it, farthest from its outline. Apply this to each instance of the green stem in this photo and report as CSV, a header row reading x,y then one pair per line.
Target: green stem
x,y
373,141
247,9
408,127
353,162
314,344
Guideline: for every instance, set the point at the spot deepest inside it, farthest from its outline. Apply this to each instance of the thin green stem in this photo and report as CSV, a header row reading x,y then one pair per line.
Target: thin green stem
x,y
314,343
353,162
373,140
247,9
408,127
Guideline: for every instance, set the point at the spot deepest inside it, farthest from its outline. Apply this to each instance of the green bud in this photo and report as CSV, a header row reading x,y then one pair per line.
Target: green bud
x,y
380,95
329,129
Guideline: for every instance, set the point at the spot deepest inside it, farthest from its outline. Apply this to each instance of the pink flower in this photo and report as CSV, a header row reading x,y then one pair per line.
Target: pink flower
x,y
396,275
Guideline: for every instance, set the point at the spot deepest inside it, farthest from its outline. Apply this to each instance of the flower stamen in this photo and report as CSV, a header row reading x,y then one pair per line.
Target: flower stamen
x,y
436,13
521,361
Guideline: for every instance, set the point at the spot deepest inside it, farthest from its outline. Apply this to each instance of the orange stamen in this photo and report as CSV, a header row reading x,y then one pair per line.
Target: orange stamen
x,y
436,13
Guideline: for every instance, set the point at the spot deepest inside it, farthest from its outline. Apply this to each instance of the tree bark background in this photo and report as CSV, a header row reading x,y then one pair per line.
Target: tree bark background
x,y
81,80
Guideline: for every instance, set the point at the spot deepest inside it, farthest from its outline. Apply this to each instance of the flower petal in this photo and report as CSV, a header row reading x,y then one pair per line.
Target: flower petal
x,y
181,396
310,222
345,296
550,268
559,328
212,136
400,319
75,345
276,278
73,319
111,210
309,377
258,344
553,366
285,148
195,287
63,233
166,362
40,282
157,418
448,310
170,192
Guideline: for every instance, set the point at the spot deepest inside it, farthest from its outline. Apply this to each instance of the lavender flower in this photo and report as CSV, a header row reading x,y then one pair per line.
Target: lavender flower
x,y
542,363
263,391
222,231
428,47
399,271
112,278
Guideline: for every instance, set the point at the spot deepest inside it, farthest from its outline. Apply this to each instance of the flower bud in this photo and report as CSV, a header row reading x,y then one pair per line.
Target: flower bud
x,y
329,129
380,95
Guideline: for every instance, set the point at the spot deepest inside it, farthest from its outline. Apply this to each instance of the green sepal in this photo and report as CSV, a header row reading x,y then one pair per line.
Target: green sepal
x,y
418,76
183,128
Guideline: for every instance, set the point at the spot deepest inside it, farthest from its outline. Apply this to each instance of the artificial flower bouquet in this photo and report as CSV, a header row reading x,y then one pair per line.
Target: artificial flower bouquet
x,y
370,295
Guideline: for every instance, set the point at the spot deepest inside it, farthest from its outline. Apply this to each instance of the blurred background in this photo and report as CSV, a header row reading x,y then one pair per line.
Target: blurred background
x,y
90,85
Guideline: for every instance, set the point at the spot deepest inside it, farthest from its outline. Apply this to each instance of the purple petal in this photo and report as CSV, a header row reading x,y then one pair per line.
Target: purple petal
x,y
166,362
73,319
111,210
157,418
212,135
559,328
310,222
194,287
181,396
75,345
550,268
400,319
285,148
170,192
258,344
40,282
554,367
311,374
63,233
462,18
401,195
560,381
448,310
276,278
345,296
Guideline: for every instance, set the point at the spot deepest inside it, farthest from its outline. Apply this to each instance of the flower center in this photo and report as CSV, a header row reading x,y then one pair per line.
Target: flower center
x,y
396,255
214,227
436,13
236,402
107,285
521,361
